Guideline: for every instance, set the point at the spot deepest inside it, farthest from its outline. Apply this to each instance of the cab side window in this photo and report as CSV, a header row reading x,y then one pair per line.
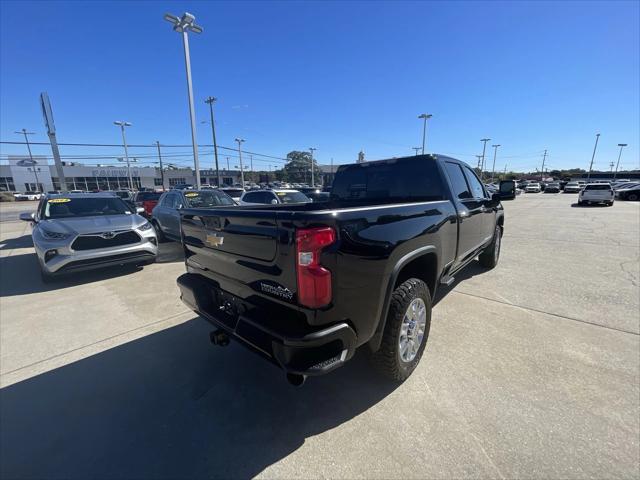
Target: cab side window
x,y
169,201
477,190
458,183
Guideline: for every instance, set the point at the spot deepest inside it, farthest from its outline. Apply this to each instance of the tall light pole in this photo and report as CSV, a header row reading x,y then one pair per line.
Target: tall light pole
x,y
123,124
621,145
417,149
544,159
33,163
484,148
426,117
253,179
493,169
210,101
313,182
593,156
161,169
240,141
183,25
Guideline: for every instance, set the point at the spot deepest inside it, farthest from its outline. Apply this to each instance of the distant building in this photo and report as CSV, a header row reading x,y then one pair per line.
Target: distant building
x,y
20,176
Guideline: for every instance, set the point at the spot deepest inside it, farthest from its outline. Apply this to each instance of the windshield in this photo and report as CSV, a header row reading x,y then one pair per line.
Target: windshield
x,y
233,192
604,186
207,198
84,207
292,197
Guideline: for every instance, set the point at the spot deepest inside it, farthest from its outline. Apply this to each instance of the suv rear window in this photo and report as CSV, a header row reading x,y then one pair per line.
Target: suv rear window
x,y
391,180
604,186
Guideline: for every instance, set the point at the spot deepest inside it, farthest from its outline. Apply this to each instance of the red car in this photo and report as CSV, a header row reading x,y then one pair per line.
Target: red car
x,y
146,200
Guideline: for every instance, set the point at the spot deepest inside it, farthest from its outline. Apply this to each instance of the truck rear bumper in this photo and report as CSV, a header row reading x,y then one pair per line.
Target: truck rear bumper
x,y
297,349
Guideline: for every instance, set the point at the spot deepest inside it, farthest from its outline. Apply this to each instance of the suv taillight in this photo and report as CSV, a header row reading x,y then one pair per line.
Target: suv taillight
x,y
314,281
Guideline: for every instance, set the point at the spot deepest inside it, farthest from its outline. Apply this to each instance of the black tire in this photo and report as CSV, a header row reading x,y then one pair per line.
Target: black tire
x,y
633,197
580,202
610,203
159,233
490,256
46,277
387,359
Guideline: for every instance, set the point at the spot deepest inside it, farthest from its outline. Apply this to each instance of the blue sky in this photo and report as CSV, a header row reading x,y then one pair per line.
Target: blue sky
x,y
339,76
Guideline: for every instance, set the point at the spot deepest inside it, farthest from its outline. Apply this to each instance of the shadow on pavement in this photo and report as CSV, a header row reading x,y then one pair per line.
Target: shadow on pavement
x,y
595,205
20,275
170,252
171,405
471,270
19,242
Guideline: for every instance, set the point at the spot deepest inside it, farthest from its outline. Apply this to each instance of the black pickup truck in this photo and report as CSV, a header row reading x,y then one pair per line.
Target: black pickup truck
x,y
305,285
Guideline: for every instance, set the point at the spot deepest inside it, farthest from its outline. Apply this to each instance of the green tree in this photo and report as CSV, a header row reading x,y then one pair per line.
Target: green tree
x,y
298,168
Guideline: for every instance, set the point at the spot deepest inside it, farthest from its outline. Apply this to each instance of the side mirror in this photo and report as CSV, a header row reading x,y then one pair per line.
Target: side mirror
x,y
274,202
28,217
495,200
139,210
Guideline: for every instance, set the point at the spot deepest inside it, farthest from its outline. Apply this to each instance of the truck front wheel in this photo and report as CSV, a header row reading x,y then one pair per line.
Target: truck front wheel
x,y
406,331
489,258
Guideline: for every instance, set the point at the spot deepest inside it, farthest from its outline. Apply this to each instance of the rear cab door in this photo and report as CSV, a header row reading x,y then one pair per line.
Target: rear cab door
x,y
483,199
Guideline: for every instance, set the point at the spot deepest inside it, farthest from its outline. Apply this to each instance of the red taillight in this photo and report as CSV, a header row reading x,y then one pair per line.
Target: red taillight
x,y
314,281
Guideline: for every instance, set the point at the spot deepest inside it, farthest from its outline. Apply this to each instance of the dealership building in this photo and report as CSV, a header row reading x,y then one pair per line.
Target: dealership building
x,y
23,173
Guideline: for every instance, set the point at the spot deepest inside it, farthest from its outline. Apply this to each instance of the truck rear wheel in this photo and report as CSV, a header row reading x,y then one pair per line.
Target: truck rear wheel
x,y
489,258
406,331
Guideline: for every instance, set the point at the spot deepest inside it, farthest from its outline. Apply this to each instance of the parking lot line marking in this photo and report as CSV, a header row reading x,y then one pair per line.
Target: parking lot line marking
x,y
547,313
106,339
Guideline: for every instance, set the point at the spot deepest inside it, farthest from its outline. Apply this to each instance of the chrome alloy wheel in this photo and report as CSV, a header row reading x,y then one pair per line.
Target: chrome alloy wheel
x,y
412,329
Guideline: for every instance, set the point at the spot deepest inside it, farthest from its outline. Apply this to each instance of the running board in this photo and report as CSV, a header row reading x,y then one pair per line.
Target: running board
x,y
447,280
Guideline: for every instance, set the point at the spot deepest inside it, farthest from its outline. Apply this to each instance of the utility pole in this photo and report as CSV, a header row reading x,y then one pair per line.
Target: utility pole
x,y
484,148
417,149
544,158
161,169
228,164
313,182
240,140
479,157
210,101
123,124
253,177
504,175
621,145
611,165
593,156
493,169
183,25
33,162
426,117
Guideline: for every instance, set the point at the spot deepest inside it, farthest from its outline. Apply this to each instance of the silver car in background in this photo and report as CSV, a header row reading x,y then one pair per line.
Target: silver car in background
x,y
74,232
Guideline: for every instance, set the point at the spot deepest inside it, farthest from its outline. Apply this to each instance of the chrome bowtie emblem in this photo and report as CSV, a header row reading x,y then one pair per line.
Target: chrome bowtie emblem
x,y
214,239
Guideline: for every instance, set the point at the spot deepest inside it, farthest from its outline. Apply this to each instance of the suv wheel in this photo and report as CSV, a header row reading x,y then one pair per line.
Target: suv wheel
x,y
159,232
406,331
633,197
489,258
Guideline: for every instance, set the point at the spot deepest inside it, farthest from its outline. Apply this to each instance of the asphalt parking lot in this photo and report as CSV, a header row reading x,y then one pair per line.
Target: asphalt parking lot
x,y
531,370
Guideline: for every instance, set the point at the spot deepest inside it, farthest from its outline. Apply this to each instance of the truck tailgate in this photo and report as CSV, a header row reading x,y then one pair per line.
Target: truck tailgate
x,y
241,247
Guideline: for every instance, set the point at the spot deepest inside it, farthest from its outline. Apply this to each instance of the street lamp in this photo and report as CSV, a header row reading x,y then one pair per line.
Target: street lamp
x,y
313,182
621,145
33,163
183,25
211,101
426,117
484,147
122,124
593,156
493,169
240,141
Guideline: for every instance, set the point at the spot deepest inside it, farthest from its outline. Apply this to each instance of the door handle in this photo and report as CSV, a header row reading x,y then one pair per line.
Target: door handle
x,y
463,214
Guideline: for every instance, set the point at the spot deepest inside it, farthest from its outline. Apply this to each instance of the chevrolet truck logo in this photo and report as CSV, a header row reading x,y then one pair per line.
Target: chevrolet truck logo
x,y
214,240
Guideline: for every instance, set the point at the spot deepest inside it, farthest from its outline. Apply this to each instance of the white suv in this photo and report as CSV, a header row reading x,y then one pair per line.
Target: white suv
x,y
596,193
533,188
